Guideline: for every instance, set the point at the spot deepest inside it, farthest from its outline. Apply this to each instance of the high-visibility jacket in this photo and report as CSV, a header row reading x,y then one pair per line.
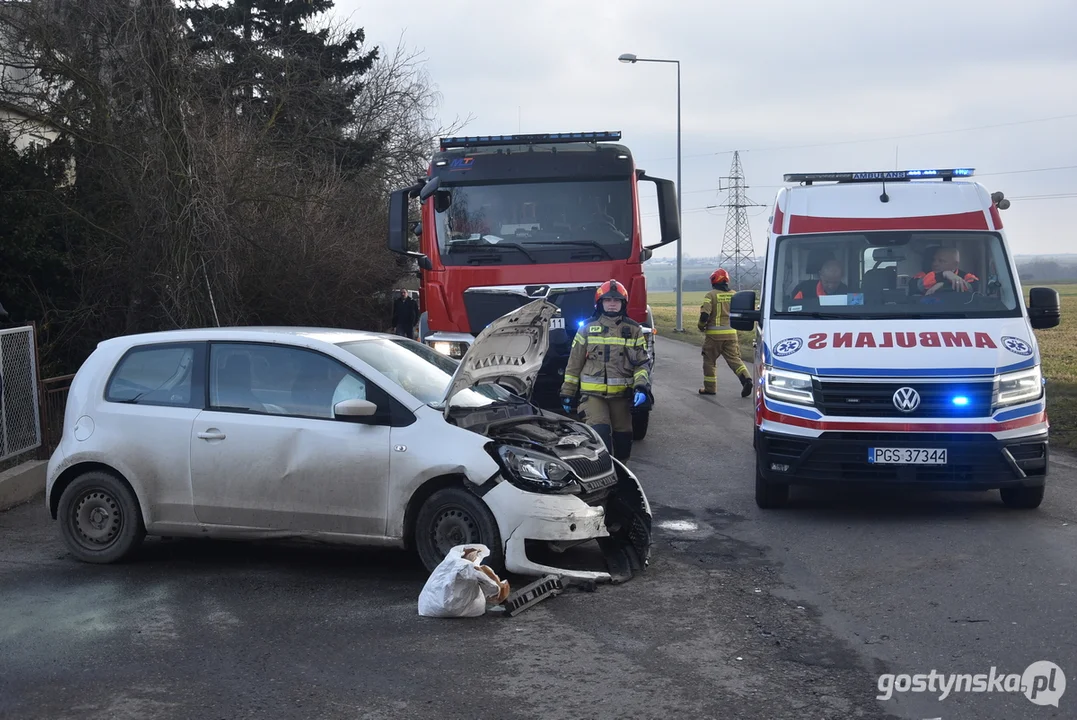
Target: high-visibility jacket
x,y
608,358
716,307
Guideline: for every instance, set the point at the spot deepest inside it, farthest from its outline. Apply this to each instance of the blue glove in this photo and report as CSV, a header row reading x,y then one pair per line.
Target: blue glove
x,y
566,403
639,399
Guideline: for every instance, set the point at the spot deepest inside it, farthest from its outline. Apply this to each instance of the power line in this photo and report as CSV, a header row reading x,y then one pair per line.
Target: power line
x,y
877,139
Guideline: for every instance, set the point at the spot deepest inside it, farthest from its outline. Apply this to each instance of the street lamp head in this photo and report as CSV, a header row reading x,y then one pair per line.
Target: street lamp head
x,y
627,58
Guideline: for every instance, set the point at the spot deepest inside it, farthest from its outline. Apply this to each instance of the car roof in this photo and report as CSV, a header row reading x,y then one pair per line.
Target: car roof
x,y
280,334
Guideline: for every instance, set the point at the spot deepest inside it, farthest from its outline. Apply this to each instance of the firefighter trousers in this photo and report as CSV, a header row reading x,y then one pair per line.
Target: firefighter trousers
x,y
721,346
611,417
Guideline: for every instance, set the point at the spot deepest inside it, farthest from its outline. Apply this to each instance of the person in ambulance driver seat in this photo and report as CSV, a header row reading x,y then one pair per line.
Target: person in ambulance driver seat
x,y
608,367
829,283
721,338
945,274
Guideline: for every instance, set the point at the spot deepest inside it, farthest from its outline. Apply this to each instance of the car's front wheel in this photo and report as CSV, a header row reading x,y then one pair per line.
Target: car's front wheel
x,y
100,520
452,517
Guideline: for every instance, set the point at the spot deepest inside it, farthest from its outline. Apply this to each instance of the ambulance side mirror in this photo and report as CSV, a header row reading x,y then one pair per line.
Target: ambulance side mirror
x,y
1044,308
742,312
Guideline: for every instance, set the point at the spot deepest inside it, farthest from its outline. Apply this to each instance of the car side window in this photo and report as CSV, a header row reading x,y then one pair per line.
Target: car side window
x,y
280,380
155,375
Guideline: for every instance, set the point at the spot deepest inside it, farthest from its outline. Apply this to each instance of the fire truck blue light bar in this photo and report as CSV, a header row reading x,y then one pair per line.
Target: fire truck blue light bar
x,y
876,176
529,138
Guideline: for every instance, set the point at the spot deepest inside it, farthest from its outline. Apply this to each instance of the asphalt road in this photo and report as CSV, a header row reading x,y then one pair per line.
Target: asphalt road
x,y
743,613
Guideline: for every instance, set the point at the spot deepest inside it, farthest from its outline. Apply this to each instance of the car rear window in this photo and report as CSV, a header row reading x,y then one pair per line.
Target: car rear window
x,y
154,375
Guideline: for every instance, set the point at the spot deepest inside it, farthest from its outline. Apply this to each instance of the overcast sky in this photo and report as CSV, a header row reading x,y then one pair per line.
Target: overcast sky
x,y
769,77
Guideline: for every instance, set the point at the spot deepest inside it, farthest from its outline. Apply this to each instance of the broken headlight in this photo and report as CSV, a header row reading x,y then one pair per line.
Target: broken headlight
x,y
534,471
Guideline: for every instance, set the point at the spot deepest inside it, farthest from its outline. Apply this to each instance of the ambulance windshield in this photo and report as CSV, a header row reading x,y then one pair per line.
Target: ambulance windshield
x,y
893,274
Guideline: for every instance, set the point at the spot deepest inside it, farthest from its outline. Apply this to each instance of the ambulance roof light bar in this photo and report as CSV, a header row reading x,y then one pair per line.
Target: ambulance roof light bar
x,y
529,139
945,174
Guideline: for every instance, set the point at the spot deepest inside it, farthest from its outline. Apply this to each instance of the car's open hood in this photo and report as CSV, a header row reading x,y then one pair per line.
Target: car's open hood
x,y
509,352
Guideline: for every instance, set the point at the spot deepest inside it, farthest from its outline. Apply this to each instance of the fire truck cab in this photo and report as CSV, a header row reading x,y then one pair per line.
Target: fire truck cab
x,y
507,219
894,343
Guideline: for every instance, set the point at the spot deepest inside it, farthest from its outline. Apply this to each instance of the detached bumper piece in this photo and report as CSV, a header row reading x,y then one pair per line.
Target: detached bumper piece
x,y
529,595
975,461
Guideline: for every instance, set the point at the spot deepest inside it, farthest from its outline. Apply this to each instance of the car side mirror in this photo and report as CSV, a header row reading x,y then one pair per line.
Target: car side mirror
x,y
1044,308
742,312
355,408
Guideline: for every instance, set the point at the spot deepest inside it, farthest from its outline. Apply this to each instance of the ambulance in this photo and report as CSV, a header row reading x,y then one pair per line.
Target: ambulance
x,y
894,344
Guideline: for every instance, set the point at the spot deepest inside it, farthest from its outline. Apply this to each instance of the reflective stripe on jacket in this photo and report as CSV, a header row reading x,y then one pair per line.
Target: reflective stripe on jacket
x,y
608,357
716,306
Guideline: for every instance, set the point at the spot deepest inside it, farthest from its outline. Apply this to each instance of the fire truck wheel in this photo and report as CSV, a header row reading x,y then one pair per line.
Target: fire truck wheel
x,y
640,421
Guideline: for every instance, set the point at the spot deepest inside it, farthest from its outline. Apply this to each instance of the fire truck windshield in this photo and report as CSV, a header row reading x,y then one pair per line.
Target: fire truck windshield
x,y
536,222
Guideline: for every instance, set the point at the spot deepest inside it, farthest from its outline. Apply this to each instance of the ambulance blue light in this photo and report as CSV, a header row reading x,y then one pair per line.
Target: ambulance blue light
x,y
580,323
961,400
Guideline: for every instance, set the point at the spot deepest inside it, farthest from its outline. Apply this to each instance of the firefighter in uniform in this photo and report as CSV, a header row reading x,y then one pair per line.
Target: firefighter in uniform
x,y
721,338
608,367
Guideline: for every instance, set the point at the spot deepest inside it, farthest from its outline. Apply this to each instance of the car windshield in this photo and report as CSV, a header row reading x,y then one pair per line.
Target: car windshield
x,y
420,370
893,275
536,222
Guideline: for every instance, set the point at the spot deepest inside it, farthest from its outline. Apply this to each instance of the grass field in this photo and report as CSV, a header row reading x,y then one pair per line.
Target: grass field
x,y
1058,348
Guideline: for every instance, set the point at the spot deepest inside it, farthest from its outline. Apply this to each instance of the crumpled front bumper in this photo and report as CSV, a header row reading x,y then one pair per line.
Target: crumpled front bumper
x,y
621,525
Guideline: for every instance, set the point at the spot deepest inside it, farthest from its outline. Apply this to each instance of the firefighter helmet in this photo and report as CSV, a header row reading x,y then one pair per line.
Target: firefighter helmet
x,y
719,276
611,289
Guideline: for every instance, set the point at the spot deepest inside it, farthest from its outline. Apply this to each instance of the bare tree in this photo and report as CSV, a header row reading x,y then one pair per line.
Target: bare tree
x,y
400,102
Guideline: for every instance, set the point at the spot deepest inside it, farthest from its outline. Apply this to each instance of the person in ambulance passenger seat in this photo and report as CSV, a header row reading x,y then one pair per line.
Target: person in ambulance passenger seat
x,y
829,283
945,271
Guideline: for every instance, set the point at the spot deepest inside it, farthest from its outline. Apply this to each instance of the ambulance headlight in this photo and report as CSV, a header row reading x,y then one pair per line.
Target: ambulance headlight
x,y
788,386
1018,387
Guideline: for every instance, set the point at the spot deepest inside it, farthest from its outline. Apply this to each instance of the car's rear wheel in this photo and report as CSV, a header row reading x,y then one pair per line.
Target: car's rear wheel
x,y
1022,498
100,520
451,517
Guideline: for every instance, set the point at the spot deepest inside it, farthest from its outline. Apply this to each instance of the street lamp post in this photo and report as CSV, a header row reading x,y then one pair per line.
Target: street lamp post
x,y
630,58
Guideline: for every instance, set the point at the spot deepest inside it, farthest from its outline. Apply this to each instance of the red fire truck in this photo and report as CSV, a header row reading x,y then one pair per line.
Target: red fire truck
x,y
506,219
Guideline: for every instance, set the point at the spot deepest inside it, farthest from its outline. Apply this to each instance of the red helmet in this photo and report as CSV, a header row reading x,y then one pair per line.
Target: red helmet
x,y
719,276
611,289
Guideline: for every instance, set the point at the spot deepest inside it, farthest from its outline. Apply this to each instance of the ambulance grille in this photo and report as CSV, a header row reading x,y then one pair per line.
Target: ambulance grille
x,y
876,399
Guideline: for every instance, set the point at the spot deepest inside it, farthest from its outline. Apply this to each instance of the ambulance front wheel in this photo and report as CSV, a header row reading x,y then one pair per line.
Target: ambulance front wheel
x,y
768,495
1022,498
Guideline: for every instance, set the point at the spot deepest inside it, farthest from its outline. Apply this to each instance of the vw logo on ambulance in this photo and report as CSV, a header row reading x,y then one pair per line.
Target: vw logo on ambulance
x,y
906,399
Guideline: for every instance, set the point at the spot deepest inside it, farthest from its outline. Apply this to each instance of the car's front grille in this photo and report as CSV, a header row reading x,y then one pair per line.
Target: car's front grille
x,y
586,468
876,399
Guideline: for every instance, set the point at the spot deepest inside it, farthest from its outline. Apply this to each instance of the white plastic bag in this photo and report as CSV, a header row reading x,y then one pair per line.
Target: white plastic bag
x,y
457,587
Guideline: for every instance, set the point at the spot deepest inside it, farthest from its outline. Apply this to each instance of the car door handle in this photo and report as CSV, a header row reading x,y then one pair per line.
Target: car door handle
x,y
211,435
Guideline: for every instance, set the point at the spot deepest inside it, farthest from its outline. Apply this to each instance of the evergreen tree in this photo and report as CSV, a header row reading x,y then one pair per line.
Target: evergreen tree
x,y
264,60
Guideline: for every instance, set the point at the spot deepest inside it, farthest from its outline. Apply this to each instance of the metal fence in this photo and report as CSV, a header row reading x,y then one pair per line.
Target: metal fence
x,y
54,393
20,411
